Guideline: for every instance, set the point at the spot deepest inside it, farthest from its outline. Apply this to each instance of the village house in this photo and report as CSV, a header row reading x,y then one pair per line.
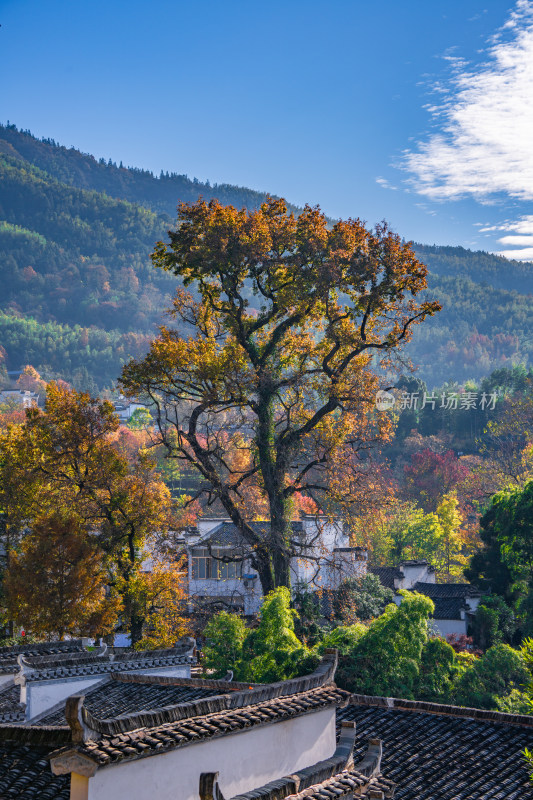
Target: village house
x,y
22,397
455,603
221,575
36,679
138,736
133,734
125,408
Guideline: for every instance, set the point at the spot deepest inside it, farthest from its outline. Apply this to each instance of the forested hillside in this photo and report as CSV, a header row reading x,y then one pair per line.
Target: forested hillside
x,y
79,294
83,171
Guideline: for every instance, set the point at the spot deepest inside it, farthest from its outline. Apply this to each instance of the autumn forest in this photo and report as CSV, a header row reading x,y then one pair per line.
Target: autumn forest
x,y
286,365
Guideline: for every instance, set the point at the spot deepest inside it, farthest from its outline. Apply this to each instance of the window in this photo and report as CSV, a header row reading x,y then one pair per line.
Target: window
x,y
201,563
204,566
229,570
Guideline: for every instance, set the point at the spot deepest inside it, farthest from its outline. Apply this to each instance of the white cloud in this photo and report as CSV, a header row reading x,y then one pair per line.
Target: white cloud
x,y
525,254
485,143
385,184
521,236
516,240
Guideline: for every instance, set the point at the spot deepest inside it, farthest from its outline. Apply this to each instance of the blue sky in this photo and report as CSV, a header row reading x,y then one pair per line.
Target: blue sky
x,y
419,113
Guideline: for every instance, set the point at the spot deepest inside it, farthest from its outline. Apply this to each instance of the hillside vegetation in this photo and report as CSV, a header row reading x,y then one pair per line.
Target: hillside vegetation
x,y
75,239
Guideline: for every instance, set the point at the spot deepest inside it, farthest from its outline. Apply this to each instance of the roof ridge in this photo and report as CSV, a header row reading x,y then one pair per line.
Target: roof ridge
x,y
108,663
171,680
440,709
68,644
63,659
101,748
232,700
46,735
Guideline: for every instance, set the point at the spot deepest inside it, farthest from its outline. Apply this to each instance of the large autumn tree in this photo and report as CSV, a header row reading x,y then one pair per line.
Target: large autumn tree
x,y
272,351
68,462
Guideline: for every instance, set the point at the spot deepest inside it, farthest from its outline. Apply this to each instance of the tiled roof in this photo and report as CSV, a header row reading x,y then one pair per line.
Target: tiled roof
x,y
447,754
9,655
226,534
448,608
115,696
446,590
387,575
347,783
101,665
11,709
66,659
145,741
25,772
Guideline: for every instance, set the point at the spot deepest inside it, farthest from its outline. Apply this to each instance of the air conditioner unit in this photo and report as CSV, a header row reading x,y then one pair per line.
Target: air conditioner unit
x,y
248,581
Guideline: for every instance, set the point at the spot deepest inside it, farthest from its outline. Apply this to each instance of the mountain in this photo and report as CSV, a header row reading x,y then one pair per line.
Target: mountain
x,y
82,171
79,294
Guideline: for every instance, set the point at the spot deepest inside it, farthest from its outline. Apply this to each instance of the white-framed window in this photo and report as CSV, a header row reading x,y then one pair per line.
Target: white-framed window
x,y
207,565
201,563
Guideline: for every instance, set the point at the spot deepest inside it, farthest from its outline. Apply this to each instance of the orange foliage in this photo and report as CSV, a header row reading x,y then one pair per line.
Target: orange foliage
x,y
56,584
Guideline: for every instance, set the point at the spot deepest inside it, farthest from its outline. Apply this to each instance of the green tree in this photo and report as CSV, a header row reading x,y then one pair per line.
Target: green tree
x,y
494,622
386,659
449,558
308,614
224,634
272,651
505,564
294,371
417,535
140,420
437,671
491,677
344,638
361,599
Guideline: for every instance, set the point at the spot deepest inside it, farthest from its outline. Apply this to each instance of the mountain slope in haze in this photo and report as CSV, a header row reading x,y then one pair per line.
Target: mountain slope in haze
x,y
479,266
79,294
83,171
77,257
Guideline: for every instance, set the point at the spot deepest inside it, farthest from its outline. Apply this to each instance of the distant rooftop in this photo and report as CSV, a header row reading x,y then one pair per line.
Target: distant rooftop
x,y
438,752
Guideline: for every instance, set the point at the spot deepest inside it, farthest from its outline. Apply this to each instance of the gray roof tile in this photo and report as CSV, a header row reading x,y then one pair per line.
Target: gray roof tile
x,y
442,756
116,697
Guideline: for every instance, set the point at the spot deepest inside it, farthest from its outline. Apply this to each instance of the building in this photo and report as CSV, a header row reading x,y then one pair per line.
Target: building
x,y
455,603
137,736
125,408
221,575
37,679
439,752
22,397
144,736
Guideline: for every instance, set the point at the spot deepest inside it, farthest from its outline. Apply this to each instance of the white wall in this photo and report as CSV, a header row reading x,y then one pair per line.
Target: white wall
x,y
445,627
177,671
5,679
207,524
244,760
42,695
415,573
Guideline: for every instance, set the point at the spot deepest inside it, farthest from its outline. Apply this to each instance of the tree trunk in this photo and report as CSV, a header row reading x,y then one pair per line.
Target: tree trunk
x,y
136,628
274,561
